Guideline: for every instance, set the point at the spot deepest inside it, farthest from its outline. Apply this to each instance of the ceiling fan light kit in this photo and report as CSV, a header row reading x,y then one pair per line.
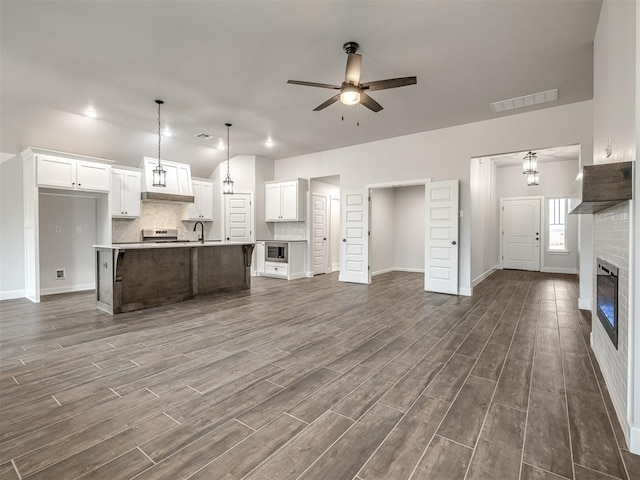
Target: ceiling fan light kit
x,y
352,92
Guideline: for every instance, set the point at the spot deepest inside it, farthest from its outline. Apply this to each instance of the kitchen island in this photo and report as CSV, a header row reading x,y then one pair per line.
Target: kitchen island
x,y
135,276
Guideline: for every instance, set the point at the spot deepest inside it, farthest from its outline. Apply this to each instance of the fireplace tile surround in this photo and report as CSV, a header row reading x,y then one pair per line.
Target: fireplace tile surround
x,y
611,243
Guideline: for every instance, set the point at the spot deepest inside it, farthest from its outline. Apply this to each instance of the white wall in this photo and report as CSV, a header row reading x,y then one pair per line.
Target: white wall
x,y
556,180
445,154
615,110
485,247
409,228
263,173
12,229
71,247
382,230
335,234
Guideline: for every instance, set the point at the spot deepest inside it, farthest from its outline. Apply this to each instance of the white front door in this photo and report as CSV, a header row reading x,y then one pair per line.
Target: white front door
x,y
441,237
520,228
354,226
319,229
238,223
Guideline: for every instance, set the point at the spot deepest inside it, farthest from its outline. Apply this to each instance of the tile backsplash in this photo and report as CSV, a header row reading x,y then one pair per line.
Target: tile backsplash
x,y
290,231
157,215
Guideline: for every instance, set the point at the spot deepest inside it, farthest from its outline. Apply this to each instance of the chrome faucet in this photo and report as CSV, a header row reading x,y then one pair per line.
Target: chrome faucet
x,y
195,226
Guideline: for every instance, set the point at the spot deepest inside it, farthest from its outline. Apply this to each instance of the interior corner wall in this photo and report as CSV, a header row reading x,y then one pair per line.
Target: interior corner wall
x,y
67,235
409,228
12,252
382,226
614,120
445,154
485,247
263,173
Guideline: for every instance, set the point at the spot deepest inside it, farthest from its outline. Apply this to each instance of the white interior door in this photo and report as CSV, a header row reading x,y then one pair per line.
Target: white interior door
x,y
441,237
238,217
319,229
354,226
520,228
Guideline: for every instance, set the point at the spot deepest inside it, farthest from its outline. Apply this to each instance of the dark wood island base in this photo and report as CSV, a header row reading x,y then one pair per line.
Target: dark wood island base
x,y
135,276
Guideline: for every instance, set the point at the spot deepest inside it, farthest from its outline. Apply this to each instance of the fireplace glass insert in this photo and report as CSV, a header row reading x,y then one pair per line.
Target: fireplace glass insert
x,y
607,299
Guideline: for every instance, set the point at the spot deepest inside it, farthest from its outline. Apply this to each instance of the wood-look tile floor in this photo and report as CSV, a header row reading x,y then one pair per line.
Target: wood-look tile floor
x,y
311,379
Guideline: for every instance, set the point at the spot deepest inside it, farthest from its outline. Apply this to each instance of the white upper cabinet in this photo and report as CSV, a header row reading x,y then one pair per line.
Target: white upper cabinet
x,y
284,201
178,177
202,207
71,174
125,193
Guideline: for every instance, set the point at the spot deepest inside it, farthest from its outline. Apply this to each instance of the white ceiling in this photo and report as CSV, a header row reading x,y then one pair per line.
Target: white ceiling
x,y
228,61
545,155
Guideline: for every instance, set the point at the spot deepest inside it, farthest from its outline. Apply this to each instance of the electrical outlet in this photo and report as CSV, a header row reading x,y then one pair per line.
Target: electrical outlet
x,y
60,274
78,229
58,229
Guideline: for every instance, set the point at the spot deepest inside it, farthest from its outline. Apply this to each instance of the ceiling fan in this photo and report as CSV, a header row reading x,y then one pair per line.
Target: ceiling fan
x,y
351,90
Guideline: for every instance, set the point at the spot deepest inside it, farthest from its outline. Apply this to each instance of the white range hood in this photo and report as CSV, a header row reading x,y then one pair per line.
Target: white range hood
x,y
179,186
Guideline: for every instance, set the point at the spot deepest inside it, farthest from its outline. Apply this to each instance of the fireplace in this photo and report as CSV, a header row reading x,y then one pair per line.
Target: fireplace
x,y
607,299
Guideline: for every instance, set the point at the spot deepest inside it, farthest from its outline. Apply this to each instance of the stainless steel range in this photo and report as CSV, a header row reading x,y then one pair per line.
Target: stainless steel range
x,y
160,235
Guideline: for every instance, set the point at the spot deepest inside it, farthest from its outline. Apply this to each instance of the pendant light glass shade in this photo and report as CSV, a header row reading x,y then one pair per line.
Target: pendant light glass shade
x,y
159,173
529,163
533,179
227,184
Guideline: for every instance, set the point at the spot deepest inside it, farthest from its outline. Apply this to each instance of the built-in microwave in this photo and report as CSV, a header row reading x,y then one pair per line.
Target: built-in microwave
x,y
276,252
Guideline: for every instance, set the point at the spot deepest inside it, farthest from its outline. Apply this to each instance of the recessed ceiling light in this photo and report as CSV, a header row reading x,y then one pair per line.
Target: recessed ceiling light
x,y
221,145
90,112
269,142
525,101
166,132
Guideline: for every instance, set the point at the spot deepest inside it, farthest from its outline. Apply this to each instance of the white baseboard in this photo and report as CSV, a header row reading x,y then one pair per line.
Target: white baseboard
x,y
585,304
591,340
634,440
397,269
379,272
335,267
410,270
309,274
484,275
467,292
68,289
570,271
11,294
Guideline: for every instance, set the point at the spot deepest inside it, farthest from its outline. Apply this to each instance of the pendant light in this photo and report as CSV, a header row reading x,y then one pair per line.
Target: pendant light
x,y
159,173
529,163
227,184
533,179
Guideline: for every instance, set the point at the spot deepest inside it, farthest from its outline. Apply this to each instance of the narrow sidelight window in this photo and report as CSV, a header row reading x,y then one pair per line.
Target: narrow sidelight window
x,y
557,224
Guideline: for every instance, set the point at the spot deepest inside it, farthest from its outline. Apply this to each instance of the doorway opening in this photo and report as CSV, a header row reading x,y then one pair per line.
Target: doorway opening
x,y
496,179
324,224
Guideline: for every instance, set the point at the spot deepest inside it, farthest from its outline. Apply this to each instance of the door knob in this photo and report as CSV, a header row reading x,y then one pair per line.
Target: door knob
x,y
324,238
453,243
344,240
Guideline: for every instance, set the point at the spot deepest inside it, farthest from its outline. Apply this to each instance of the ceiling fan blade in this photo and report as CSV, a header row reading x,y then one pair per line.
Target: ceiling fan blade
x,y
369,102
313,84
354,67
390,83
324,105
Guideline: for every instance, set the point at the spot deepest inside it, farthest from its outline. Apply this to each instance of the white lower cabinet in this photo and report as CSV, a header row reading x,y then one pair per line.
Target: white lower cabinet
x,y
257,265
290,270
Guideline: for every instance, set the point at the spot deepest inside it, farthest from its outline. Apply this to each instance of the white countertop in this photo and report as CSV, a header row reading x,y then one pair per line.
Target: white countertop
x,y
146,246
281,241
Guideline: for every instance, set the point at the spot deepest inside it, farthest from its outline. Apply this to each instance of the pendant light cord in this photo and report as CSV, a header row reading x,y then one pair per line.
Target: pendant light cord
x,y
159,133
228,149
